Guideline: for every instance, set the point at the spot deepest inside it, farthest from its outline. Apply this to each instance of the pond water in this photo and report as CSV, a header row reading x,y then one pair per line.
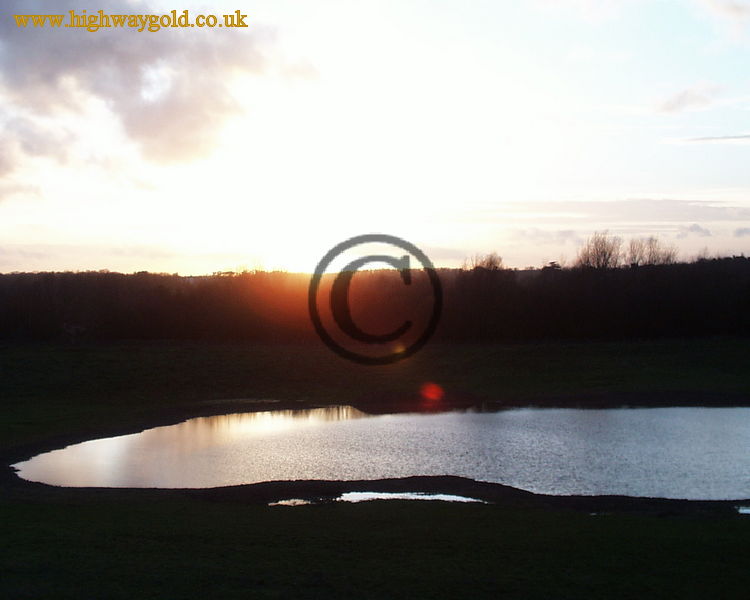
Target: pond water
x,y
367,496
696,453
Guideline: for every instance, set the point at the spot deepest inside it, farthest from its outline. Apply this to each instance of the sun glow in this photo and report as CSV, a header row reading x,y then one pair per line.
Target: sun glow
x,y
456,128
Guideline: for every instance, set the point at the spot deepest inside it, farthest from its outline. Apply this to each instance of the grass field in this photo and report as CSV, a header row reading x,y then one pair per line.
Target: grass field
x,y
143,545
60,543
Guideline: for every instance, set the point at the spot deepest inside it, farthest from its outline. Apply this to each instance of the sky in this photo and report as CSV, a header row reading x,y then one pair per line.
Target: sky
x,y
463,127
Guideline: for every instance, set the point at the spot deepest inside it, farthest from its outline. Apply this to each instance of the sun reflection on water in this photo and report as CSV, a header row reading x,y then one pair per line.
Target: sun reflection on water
x,y
139,459
259,423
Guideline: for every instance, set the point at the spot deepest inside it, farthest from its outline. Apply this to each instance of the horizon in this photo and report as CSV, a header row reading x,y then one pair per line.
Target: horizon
x,y
463,267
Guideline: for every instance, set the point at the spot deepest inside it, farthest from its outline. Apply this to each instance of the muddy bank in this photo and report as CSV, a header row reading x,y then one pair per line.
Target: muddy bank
x,y
494,493
328,491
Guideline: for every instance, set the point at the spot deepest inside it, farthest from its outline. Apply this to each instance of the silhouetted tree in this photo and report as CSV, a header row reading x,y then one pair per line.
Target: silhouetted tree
x,y
491,262
601,251
650,251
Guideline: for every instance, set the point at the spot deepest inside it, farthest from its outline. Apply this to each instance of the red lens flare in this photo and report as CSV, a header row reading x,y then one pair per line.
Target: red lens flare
x,y
431,392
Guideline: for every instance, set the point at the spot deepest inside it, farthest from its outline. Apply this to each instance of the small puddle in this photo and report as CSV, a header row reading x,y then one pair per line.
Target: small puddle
x,y
743,510
291,502
367,496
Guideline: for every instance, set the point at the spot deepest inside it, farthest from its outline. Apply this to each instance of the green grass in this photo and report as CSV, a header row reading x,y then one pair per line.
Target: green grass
x,y
125,545
50,390
59,543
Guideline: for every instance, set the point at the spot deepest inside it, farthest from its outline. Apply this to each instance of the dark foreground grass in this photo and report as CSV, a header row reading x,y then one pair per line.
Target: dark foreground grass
x,y
143,545
151,544
51,390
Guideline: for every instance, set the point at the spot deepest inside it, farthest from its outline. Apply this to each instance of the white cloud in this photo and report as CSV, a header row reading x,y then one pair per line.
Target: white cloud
x,y
692,98
735,14
640,210
733,9
557,237
723,139
693,229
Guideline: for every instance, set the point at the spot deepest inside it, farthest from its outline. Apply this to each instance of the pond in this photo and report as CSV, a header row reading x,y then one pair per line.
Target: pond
x,y
694,453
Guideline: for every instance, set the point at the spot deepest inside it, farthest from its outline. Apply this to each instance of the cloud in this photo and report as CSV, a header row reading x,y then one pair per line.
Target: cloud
x,y
734,13
693,229
693,98
543,236
50,256
742,232
733,9
722,139
23,136
168,89
640,210
304,70
437,253
11,188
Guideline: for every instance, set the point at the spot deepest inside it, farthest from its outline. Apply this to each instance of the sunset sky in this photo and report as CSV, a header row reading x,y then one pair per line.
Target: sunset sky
x,y
463,127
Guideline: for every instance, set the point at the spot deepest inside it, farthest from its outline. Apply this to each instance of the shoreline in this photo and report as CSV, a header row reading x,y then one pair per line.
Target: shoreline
x,y
273,491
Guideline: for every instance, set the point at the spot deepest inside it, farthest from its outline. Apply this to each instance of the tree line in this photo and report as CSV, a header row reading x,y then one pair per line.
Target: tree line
x,y
613,291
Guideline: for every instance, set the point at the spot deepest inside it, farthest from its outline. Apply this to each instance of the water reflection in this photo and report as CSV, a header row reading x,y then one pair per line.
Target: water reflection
x,y
366,496
291,502
260,423
698,453
170,456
